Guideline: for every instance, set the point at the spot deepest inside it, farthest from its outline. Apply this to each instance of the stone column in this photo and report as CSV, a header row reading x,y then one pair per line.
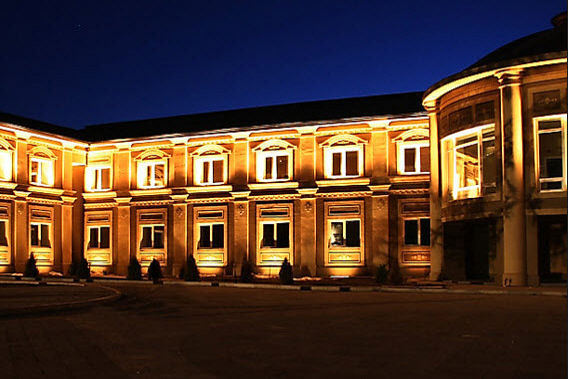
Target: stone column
x,y
122,235
307,231
240,229
380,227
67,232
179,233
436,226
514,262
20,245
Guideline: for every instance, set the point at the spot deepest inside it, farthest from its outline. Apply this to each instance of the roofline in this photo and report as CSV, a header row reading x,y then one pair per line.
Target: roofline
x,y
268,127
26,131
477,73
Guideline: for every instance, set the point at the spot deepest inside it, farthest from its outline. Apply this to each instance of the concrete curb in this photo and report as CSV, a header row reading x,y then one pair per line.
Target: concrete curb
x,y
66,306
39,283
365,289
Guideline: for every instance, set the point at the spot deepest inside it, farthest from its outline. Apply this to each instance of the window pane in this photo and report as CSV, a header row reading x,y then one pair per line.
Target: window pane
x,y
268,168
467,166
5,165
424,159
93,238
425,232
3,239
409,160
159,178
547,125
336,237
268,235
147,178
146,237
218,172
489,166
205,172
218,236
105,237
352,233
105,178
282,167
204,236
550,155
546,186
336,164
411,232
158,237
35,169
351,163
46,172
283,234
45,236
34,235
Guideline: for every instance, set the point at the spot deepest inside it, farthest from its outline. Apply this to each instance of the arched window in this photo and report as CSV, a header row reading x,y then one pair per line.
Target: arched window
x,y
274,161
42,166
343,156
6,154
413,152
210,165
152,169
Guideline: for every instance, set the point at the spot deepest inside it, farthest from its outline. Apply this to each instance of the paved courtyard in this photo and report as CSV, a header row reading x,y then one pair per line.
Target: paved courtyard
x,y
179,332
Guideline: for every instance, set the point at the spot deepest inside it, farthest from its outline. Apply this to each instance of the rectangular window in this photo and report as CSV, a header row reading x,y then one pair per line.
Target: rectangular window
x,y
3,235
424,159
410,160
5,165
218,171
152,174
276,234
470,167
211,236
343,162
414,158
345,233
417,232
99,237
211,170
268,168
276,165
39,236
41,172
551,160
99,178
152,237
282,167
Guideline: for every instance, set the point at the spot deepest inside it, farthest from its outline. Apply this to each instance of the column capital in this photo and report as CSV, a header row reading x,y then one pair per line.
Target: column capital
x,y
509,77
431,106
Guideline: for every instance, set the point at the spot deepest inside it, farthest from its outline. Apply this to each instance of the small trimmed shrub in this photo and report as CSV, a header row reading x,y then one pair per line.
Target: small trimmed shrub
x,y
286,273
382,274
31,270
134,270
154,271
191,271
246,272
181,274
395,276
84,269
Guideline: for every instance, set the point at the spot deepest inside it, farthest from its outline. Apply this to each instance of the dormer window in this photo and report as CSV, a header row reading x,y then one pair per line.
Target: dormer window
x,y
152,169
413,152
210,165
6,152
274,161
343,157
41,167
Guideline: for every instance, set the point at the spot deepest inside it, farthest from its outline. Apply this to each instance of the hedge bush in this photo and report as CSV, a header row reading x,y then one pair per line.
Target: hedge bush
x,y
286,273
191,272
31,270
134,270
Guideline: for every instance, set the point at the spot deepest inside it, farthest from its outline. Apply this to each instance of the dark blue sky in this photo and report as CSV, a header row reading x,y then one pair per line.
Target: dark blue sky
x,y
78,62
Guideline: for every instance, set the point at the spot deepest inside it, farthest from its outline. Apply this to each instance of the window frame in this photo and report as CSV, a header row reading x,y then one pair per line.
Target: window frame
x,y
96,170
41,161
344,256
6,251
451,185
8,162
199,175
98,256
536,133
268,256
151,217
274,148
418,231
210,256
401,161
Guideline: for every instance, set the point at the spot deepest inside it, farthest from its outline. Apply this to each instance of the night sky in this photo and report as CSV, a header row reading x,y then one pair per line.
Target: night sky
x,y
75,63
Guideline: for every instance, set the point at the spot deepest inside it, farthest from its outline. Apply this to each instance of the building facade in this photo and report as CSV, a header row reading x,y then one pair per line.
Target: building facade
x,y
472,188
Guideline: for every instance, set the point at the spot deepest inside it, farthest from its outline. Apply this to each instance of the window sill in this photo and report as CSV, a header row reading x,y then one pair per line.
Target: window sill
x,y
210,188
151,191
332,182
405,178
46,190
273,185
99,195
